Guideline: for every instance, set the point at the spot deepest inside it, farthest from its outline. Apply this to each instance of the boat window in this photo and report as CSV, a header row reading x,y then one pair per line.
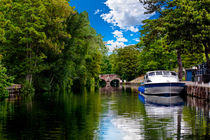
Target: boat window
x,y
159,73
146,76
173,73
166,73
151,73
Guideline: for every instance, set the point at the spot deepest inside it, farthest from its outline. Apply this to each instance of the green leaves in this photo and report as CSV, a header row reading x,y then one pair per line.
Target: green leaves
x,y
47,41
5,80
184,27
125,62
156,57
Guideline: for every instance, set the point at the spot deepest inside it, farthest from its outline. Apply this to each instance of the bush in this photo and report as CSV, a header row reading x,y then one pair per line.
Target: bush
x,y
27,88
5,81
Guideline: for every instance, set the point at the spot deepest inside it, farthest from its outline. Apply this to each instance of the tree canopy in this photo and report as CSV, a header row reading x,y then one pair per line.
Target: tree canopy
x,y
183,24
47,42
125,62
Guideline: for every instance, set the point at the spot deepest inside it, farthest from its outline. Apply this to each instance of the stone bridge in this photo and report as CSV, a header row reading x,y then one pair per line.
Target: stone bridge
x,y
108,78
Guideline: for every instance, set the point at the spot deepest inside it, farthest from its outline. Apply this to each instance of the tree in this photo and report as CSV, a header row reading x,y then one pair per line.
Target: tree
x,y
47,43
156,57
34,29
5,80
182,21
154,5
78,64
125,62
85,47
106,67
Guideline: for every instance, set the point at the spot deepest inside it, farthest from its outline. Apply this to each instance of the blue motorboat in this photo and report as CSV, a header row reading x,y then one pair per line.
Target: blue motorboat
x,y
161,82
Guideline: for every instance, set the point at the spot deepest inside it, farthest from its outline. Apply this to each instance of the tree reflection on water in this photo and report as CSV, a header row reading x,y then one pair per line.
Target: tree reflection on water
x,y
114,113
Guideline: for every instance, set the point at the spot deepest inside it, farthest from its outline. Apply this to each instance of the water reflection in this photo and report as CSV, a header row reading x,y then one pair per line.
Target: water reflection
x,y
163,115
110,90
106,114
196,117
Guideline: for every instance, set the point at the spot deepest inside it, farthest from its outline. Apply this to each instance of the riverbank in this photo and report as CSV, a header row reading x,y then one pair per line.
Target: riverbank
x,y
201,91
194,89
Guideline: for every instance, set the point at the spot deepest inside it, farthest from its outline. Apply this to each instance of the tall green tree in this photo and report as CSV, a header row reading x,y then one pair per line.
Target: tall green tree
x,y
78,64
5,80
156,57
106,67
125,62
183,22
47,43
33,29
85,45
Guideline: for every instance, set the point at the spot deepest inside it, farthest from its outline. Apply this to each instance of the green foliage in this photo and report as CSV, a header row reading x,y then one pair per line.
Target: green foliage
x,y
106,66
80,59
184,27
192,59
46,43
156,57
27,88
5,81
125,62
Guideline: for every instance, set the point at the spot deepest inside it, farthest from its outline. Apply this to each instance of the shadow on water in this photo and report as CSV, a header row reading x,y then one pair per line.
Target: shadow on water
x,y
52,116
108,113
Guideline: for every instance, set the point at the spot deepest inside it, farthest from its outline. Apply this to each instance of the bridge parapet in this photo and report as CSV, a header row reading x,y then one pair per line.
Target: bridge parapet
x,y
109,77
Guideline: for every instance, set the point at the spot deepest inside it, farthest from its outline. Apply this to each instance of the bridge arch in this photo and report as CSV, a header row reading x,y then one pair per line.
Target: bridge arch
x,y
115,82
108,78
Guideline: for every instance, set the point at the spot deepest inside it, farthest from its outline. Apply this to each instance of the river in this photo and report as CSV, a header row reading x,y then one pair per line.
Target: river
x,y
105,114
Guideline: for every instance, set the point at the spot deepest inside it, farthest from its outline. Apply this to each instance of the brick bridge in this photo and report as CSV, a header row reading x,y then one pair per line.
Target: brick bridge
x,y
108,78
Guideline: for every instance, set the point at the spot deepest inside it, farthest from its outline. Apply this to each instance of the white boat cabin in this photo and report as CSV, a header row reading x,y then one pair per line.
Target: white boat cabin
x,y
160,77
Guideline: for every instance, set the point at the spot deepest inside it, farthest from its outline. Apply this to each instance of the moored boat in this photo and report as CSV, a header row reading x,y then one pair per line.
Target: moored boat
x,y
162,82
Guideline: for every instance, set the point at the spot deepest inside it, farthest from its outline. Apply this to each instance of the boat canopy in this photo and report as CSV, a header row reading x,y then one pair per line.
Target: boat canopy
x,y
164,73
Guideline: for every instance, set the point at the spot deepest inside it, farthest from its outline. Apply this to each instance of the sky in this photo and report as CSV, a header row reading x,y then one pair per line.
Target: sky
x,y
118,21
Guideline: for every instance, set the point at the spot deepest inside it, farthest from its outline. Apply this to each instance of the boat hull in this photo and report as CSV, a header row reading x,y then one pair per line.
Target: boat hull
x,y
164,88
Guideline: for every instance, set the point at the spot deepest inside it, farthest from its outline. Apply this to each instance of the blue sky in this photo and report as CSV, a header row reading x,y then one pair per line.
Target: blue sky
x,y
118,21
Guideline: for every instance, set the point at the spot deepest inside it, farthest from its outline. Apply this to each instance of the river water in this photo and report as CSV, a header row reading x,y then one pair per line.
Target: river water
x,y
105,114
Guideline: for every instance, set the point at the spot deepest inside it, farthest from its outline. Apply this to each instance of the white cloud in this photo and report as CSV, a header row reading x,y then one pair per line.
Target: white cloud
x,y
97,11
111,44
136,39
120,41
132,29
126,14
131,34
119,36
117,33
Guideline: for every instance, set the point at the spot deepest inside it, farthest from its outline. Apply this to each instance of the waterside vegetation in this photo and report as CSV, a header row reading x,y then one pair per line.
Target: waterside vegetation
x,y
46,44
178,38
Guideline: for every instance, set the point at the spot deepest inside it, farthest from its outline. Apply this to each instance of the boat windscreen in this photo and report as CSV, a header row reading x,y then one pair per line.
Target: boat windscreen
x,y
166,73
173,73
159,73
151,73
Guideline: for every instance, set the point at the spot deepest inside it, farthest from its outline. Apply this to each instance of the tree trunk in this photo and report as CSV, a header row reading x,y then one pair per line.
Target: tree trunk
x,y
29,56
29,78
179,60
207,51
